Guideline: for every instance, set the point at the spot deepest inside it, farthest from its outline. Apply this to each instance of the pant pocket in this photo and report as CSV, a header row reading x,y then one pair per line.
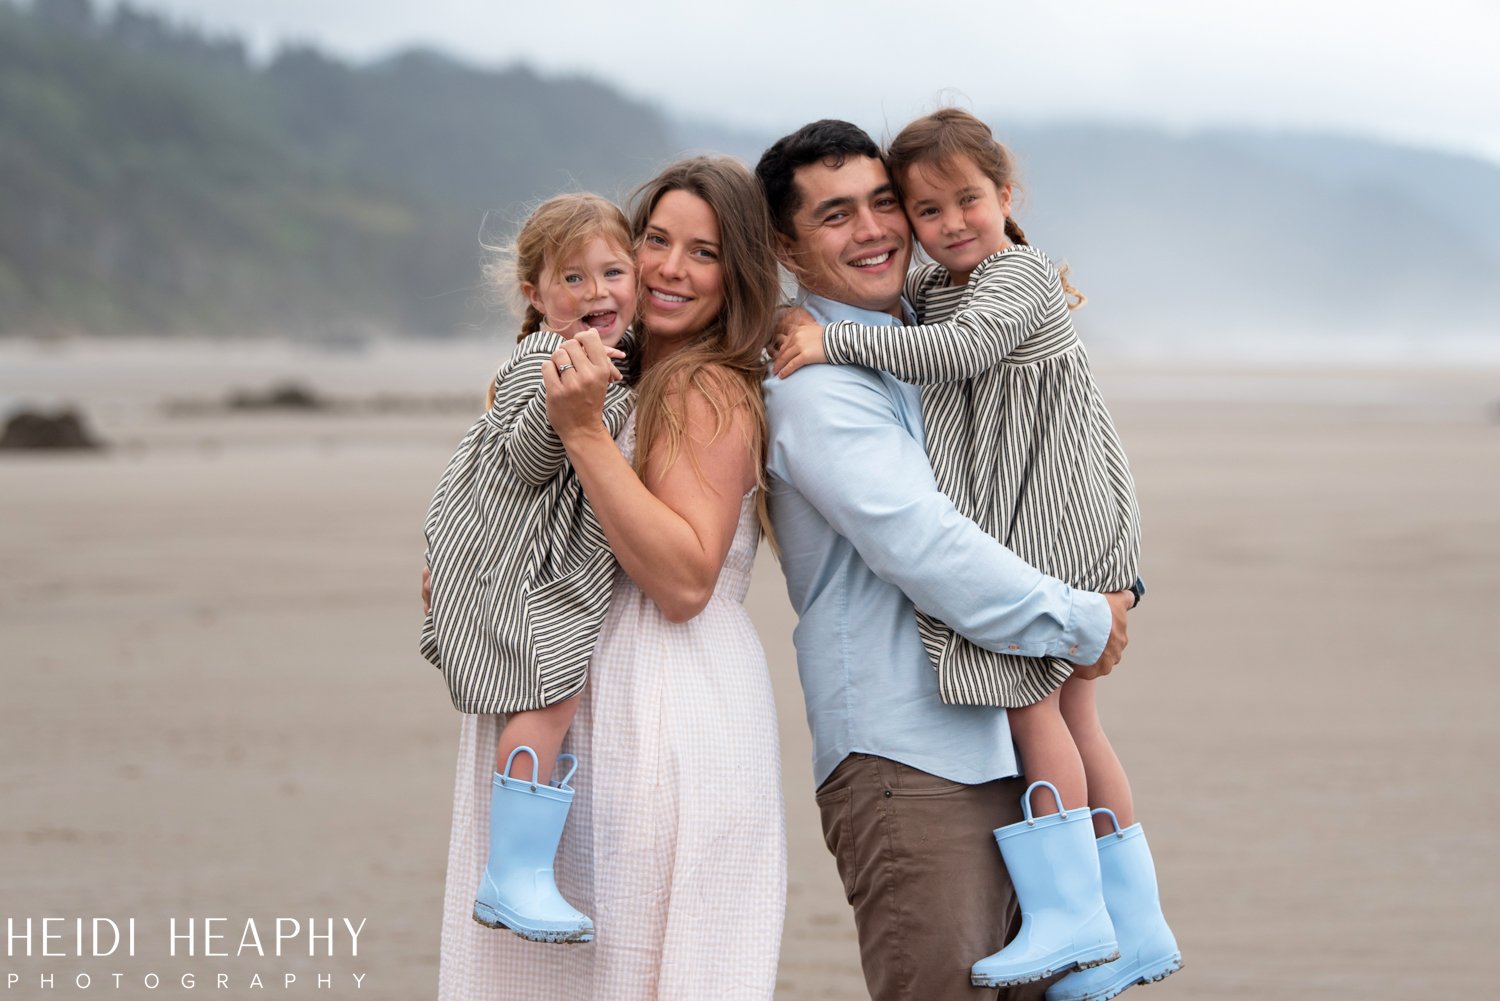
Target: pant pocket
x,y
834,808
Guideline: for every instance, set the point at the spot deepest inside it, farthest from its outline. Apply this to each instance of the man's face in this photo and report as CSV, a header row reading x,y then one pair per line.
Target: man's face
x,y
853,241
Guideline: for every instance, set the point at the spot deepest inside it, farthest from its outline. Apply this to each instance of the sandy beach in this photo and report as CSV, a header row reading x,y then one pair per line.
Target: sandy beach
x,y
213,705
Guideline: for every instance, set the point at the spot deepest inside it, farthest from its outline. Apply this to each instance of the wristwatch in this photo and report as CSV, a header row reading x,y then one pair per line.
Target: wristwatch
x,y
1139,590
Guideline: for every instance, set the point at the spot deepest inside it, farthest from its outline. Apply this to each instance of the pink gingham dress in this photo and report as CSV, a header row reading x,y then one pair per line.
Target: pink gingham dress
x,y
676,843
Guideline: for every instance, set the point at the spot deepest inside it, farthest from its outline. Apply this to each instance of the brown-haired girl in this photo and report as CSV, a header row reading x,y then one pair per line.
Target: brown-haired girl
x,y
1020,439
519,569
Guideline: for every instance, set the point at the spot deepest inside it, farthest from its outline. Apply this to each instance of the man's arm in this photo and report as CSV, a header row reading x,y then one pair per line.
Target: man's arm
x,y
838,438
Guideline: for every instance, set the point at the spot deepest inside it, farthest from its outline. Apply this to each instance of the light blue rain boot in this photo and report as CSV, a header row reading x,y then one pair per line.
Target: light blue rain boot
x,y
1064,924
1148,951
517,890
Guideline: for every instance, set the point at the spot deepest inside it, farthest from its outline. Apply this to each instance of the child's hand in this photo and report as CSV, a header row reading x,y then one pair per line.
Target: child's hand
x,y
799,343
614,354
788,318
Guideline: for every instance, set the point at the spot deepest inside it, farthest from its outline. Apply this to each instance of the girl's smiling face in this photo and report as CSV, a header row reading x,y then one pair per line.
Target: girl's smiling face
x,y
958,214
594,289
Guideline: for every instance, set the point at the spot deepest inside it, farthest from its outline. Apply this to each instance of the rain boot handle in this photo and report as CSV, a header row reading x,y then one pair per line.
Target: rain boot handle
x,y
1112,818
535,769
1026,800
572,760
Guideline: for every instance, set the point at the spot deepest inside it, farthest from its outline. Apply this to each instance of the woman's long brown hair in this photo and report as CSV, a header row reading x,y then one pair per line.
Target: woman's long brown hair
x,y
726,363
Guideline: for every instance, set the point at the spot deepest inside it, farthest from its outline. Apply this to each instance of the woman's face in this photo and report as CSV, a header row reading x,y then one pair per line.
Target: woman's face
x,y
681,271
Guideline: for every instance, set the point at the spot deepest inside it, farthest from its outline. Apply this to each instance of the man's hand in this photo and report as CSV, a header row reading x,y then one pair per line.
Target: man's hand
x,y
426,590
1119,604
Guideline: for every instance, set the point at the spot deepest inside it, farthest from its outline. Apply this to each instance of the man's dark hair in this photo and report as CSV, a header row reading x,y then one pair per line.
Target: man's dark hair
x,y
827,141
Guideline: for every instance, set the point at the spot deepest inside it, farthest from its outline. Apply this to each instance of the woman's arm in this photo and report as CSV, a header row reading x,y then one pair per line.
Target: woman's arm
x,y
672,532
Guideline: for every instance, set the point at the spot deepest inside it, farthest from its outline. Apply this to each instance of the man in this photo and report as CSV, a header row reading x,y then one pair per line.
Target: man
x,y
909,788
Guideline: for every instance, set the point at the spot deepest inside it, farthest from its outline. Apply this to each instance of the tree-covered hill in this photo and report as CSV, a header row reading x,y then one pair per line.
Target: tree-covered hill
x,y
158,181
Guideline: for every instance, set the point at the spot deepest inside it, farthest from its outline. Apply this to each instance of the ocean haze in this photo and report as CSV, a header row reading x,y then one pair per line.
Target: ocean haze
x,y
1208,240
164,182
1417,74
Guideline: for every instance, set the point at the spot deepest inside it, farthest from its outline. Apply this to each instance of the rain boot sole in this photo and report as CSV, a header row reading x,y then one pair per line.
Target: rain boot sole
x,y
491,918
1081,963
1161,971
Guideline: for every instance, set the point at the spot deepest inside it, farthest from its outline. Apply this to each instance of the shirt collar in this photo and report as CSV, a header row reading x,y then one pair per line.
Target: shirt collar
x,y
826,310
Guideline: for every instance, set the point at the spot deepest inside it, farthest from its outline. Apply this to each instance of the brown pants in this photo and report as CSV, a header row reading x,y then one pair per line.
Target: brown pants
x,y
929,890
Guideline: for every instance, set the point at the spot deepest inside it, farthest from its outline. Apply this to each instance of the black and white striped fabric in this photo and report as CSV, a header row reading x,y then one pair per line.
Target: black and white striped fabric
x,y
521,571
1019,439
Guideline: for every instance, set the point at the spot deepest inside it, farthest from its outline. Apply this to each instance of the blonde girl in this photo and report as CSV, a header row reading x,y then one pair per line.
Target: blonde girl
x,y
520,570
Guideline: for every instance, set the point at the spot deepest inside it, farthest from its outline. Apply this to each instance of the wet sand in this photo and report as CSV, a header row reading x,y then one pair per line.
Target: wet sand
x,y
213,706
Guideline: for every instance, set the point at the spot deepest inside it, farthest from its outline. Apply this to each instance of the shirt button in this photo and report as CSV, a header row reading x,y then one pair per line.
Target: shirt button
x,y
1074,648
1013,646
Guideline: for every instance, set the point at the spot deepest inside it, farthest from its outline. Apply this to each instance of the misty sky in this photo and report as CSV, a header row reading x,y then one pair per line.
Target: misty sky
x,y
1424,73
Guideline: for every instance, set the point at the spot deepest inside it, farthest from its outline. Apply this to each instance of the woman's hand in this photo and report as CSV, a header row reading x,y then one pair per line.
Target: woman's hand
x,y
799,341
576,376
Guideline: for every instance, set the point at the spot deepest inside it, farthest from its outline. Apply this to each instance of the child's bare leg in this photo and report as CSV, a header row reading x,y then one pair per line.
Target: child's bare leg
x,y
517,889
1047,753
1107,783
543,731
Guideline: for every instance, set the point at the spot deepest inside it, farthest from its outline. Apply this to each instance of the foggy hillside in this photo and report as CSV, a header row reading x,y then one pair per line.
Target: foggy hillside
x,y
159,181
1245,235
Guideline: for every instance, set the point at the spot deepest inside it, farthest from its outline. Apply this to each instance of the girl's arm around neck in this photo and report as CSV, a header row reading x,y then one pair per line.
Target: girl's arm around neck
x,y
1006,303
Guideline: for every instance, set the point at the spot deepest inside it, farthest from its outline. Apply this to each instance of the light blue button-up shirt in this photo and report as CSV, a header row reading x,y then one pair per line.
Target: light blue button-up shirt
x,y
864,534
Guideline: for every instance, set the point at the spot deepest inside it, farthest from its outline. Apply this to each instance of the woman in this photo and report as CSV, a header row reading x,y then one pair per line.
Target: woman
x,y
676,841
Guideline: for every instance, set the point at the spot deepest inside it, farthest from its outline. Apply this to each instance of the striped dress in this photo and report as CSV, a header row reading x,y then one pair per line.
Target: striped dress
x,y
676,844
520,568
1019,439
